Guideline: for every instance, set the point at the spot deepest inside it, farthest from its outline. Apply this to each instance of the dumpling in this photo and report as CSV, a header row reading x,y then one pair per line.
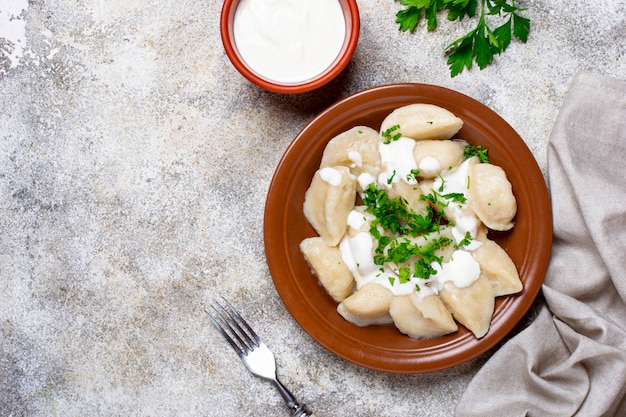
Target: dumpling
x,y
472,306
422,121
329,267
421,317
356,149
368,305
411,193
434,156
498,267
327,202
490,196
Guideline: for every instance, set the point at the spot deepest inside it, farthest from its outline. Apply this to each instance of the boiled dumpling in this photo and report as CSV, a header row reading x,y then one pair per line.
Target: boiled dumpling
x,y
498,267
327,202
356,149
329,267
411,193
472,306
368,305
422,121
434,156
491,196
421,317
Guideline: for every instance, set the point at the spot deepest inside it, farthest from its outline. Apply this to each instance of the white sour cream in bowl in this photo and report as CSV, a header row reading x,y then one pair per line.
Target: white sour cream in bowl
x,y
290,46
289,41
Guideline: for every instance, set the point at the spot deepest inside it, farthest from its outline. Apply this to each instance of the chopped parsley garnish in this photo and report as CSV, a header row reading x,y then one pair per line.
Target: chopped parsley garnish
x,y
412,175
466,241
479,151
387,134
443,200
455,197
394,225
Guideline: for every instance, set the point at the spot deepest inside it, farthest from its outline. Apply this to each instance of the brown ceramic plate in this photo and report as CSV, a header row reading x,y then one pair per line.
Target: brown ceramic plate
x,y
384,348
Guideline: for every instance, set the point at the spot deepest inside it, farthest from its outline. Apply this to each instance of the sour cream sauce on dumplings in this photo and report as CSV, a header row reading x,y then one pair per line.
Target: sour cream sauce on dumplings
x,y
397,156
289,41
462,269
456,181
357,250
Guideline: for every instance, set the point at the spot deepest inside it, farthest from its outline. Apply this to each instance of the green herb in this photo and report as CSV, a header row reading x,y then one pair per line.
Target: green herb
x,y
455,197
393,222
443,200
480,44
466,241
479,151
412,175
404,274
387,134
443,183
394,215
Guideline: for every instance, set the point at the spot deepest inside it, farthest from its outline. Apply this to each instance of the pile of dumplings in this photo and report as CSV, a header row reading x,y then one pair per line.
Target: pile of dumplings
x,y
414,153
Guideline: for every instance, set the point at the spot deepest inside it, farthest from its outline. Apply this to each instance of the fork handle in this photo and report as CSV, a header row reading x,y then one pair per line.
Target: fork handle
x,y
297,409
301,411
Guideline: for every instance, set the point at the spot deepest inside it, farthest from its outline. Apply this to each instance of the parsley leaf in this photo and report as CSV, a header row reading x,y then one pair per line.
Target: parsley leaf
x,y
387,134
409,17
481,44
479,151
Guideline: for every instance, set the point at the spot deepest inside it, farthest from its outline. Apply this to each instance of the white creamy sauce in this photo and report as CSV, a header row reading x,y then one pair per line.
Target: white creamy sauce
x,y
331,176
356,219
356,158
289,40
462,270
357,254
365,180
429,165
397,157
457,181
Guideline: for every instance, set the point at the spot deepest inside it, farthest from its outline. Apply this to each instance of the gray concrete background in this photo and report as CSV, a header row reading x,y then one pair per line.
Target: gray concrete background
x,y
134,164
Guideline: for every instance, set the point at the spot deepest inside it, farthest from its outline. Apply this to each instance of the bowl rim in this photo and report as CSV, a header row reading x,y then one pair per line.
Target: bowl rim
x,y
373,350
353,26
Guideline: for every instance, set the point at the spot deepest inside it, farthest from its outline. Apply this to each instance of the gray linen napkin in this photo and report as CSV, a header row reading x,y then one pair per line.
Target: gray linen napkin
x,y
571,360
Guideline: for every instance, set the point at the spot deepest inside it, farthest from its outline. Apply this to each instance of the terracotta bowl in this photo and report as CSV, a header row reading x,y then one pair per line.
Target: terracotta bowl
x,y
384,348
352,21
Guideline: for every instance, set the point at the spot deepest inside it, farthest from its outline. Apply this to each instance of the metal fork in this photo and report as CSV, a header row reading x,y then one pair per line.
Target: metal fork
x,y
257,357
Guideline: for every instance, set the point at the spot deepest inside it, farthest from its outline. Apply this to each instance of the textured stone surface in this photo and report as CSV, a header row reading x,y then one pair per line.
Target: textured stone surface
x,y
134,163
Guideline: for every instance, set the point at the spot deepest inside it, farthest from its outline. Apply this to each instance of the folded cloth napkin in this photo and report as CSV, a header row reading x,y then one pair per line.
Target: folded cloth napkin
x,y
571,360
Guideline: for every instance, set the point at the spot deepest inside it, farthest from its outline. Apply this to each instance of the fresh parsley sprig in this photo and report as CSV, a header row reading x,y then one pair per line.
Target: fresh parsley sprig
x,y
480,44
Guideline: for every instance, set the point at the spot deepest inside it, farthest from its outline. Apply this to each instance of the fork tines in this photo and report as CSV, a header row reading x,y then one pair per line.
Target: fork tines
x,y
234,328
